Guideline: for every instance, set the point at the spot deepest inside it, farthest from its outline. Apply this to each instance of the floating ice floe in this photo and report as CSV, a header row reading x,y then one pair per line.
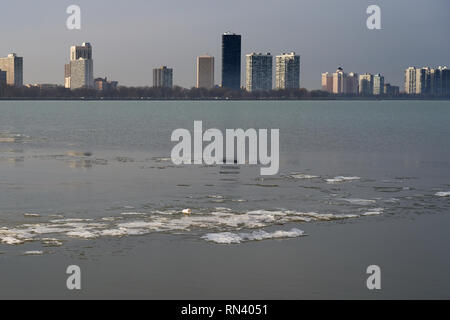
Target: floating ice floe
x,y
70,220
443,194
52,242
230,238
12,138
297,175
33,253
355,201
80,233
53,232
162,159
133,213
11,240
73,153
373,212
31,215
14,237
342,179
216,196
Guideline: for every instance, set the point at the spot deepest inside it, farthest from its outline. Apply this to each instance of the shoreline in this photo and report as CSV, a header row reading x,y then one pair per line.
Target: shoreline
x,y
229,99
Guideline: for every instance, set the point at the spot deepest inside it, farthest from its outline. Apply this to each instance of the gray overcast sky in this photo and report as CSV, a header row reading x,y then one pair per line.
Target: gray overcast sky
x,y
131,37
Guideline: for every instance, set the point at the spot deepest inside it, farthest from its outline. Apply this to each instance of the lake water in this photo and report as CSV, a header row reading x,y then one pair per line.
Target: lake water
x,y
92,184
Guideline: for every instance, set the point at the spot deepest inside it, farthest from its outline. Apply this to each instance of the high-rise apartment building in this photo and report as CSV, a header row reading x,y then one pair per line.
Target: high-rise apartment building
x,y
67,76
378,84
13,65
205,72
445,78
327,82
410,80
81,74
81,52
287,71
81,67
436,81
339,81
231,61
426,80
423,80
366,84
352,83
163,77
440,81
259,71
2,81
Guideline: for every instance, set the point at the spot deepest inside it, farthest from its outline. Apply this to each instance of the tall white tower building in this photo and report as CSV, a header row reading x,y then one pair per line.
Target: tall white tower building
x,y
81,67
287,71
378,84
205,72
339,81
327,82
366,84
410,80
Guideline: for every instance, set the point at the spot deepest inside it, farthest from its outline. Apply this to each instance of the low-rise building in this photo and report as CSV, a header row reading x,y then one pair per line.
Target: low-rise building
x,y
102,84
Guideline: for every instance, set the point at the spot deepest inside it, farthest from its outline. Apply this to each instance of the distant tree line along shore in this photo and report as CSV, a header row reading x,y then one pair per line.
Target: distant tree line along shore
x,y
179,93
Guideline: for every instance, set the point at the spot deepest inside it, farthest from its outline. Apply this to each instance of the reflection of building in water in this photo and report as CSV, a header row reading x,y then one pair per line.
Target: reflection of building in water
x,y
80,164
86,163
16,161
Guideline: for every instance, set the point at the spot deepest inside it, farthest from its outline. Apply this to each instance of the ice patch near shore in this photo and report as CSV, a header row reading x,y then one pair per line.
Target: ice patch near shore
x,y
235,238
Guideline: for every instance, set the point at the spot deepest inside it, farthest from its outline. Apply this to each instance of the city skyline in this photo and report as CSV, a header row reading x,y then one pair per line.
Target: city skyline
x,y
323,44
258,72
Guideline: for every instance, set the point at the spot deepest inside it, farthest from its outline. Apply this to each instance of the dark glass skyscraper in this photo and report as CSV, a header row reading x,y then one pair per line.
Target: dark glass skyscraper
x,y
231,61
